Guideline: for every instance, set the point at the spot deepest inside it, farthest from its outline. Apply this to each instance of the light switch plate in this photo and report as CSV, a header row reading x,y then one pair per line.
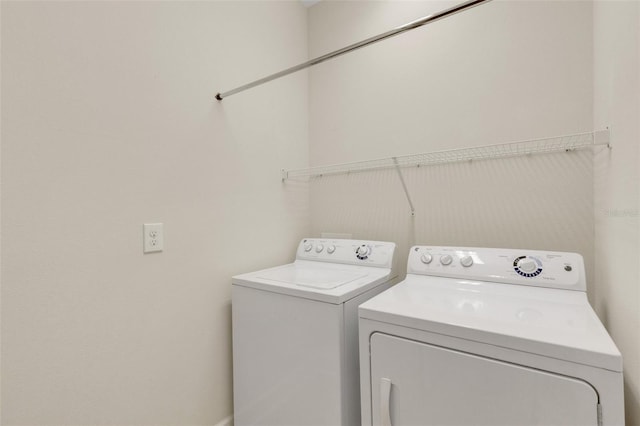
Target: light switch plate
x,y
153,237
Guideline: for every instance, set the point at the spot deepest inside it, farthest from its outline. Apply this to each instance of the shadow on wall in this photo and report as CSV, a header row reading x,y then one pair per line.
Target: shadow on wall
x,y
542,202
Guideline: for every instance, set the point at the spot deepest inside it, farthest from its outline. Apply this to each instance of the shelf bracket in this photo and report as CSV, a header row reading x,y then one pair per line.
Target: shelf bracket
x,y
404,185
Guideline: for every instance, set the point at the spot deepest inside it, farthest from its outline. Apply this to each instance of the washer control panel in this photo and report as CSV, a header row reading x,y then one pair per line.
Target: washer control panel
x,y
352,252
509,266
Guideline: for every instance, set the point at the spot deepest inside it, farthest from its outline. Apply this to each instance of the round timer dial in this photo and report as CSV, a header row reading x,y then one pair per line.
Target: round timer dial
x,y
527,266
363,252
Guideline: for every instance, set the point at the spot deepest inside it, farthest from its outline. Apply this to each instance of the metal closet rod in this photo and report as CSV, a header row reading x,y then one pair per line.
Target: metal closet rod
x,y
399,30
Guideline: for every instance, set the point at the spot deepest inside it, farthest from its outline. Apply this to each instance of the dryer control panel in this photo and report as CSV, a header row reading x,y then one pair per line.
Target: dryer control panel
x,y
509,266
351,252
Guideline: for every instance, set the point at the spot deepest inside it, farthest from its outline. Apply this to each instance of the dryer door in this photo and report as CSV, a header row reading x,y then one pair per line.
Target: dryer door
x,y
414,383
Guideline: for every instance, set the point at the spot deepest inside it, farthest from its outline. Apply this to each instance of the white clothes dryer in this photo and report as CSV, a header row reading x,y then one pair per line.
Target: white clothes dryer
x,y
295,333
477,336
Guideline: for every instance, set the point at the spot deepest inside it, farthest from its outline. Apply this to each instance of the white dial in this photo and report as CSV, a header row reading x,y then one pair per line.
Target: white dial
x,y
446,259
308,246
363,250
527,266
426,258
319,248
466,261
331,249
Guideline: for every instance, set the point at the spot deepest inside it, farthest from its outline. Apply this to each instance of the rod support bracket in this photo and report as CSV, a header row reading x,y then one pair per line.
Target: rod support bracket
x,y
218,97
404,185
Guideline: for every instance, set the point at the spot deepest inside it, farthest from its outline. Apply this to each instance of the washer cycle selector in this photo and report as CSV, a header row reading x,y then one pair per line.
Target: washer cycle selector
x,y
426,258
319,248
466,261
331,249
308,246
363,252
446,259
527,266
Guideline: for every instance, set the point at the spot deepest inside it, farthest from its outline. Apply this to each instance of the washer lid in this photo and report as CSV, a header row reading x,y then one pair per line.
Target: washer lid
x,y
322,281
549,322
313,277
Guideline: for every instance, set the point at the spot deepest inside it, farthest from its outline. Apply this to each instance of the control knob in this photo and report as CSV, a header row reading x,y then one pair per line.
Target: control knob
x,y
362,252
426,258
527,266
331,249
466,261
319,248
308,246
446,259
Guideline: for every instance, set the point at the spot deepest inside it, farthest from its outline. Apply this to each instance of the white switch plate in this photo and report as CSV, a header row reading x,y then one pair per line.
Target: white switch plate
x,y
153,238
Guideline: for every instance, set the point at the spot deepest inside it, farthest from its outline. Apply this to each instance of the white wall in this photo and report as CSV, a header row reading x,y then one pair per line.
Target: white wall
x,y
617,184
108,122
501,72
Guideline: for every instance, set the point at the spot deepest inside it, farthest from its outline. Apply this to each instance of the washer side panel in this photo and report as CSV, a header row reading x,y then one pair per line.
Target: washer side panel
x,y
287,356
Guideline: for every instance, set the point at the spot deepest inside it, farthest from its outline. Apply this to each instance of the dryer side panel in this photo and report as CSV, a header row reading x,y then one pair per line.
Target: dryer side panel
x,y
414,383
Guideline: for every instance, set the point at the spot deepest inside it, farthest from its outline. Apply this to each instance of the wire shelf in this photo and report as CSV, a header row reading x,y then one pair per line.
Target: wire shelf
x,y
503,150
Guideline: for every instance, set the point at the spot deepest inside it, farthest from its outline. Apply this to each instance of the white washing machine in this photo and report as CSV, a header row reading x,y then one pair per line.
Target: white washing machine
x,y
477,336
295,333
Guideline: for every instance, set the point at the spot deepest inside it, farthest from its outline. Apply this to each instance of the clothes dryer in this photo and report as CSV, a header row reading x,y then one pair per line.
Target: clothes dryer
x,y
295,333
477,336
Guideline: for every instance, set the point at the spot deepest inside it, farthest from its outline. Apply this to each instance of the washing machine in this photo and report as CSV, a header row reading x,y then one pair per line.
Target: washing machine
x,y
295,333
480,336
